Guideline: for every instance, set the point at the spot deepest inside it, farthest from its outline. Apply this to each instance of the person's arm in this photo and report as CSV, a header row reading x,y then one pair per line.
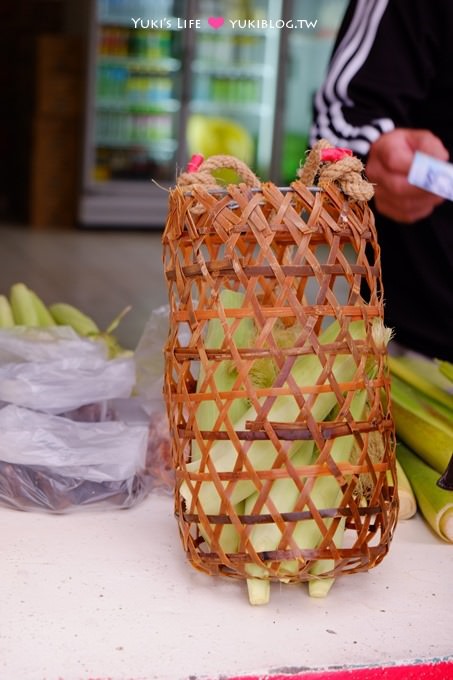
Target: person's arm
x,y
382,68
346,111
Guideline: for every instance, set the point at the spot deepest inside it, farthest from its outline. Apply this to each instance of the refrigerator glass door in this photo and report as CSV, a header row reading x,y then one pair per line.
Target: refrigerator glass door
x,y
309,50
134,107
137,91
233,81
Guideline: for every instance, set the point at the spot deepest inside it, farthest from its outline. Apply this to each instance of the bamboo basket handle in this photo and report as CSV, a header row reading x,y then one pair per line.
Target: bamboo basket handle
x,y
203,175
341,169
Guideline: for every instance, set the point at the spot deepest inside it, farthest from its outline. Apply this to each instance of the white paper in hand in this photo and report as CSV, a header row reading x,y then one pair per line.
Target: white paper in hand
x,y
432,175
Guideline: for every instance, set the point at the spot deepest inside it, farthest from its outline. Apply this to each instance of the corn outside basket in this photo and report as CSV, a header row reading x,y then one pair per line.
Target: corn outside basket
x,y
276,381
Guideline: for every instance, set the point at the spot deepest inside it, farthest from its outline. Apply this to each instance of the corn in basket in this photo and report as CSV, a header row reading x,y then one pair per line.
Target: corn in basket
x,y
276,379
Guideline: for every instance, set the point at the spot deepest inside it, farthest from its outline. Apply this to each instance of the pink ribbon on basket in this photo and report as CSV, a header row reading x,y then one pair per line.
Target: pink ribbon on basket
x,y
334,154
195,162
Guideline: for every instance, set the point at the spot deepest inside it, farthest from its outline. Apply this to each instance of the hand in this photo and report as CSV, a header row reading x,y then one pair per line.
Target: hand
x,y
388,165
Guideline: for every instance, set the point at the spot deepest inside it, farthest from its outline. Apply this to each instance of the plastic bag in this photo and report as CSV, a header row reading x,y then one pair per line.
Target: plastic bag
x,y
73,436
54,370
35,488
22,343
149,359
89,457
160,475
149,363
54,463
66,384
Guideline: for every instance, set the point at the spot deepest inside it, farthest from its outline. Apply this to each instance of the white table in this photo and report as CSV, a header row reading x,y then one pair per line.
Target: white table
x,y
109,595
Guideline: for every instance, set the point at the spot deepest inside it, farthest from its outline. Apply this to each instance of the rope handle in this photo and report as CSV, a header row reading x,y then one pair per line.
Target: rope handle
x,y
200,171
326,164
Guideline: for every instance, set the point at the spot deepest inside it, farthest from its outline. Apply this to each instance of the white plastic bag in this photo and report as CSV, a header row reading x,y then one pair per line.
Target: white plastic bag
x,y
54,463
149,363
54,370
22,343
103,451
66,384
149,356
72,435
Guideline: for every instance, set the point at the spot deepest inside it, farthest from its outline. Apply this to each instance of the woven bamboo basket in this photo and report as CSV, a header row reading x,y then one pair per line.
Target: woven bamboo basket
x,y
301,259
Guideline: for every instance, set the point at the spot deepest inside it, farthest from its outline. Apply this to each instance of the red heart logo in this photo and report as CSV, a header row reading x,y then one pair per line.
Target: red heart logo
x,y
216,22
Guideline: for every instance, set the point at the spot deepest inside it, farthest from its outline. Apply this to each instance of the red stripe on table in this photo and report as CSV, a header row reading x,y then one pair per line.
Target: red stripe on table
x,y
442,670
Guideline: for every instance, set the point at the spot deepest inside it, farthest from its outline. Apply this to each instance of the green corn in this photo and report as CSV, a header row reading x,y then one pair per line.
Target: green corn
x,y
435,504
44,316
283,494
446,369
224,376
320,587
407,509
420,374
224,379
68,315
406,498
262,454
341,450
23,306
325,491
424,428
6,313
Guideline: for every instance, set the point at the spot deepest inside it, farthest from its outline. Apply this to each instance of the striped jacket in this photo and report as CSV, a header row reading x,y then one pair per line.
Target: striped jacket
x,y
392,66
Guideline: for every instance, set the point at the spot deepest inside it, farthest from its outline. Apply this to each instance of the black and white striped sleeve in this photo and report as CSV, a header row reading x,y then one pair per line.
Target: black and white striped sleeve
x,y
376,70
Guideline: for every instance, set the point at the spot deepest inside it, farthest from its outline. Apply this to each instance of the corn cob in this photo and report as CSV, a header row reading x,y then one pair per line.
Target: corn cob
x,y
425,429
407,500
262,454
435,504
320,587
224,375
6,313
412,371
325,493
68,315
224,378
325,489
23,306
44,316
283,495
407,508
446,368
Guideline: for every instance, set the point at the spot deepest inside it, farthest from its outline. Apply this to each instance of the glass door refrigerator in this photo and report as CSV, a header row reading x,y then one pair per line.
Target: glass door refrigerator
x,y
170,78
134,105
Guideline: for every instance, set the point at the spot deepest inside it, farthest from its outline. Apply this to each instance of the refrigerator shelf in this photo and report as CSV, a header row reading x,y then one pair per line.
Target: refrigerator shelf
x,y
147,65
159,148
146,108
236,71
230,108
